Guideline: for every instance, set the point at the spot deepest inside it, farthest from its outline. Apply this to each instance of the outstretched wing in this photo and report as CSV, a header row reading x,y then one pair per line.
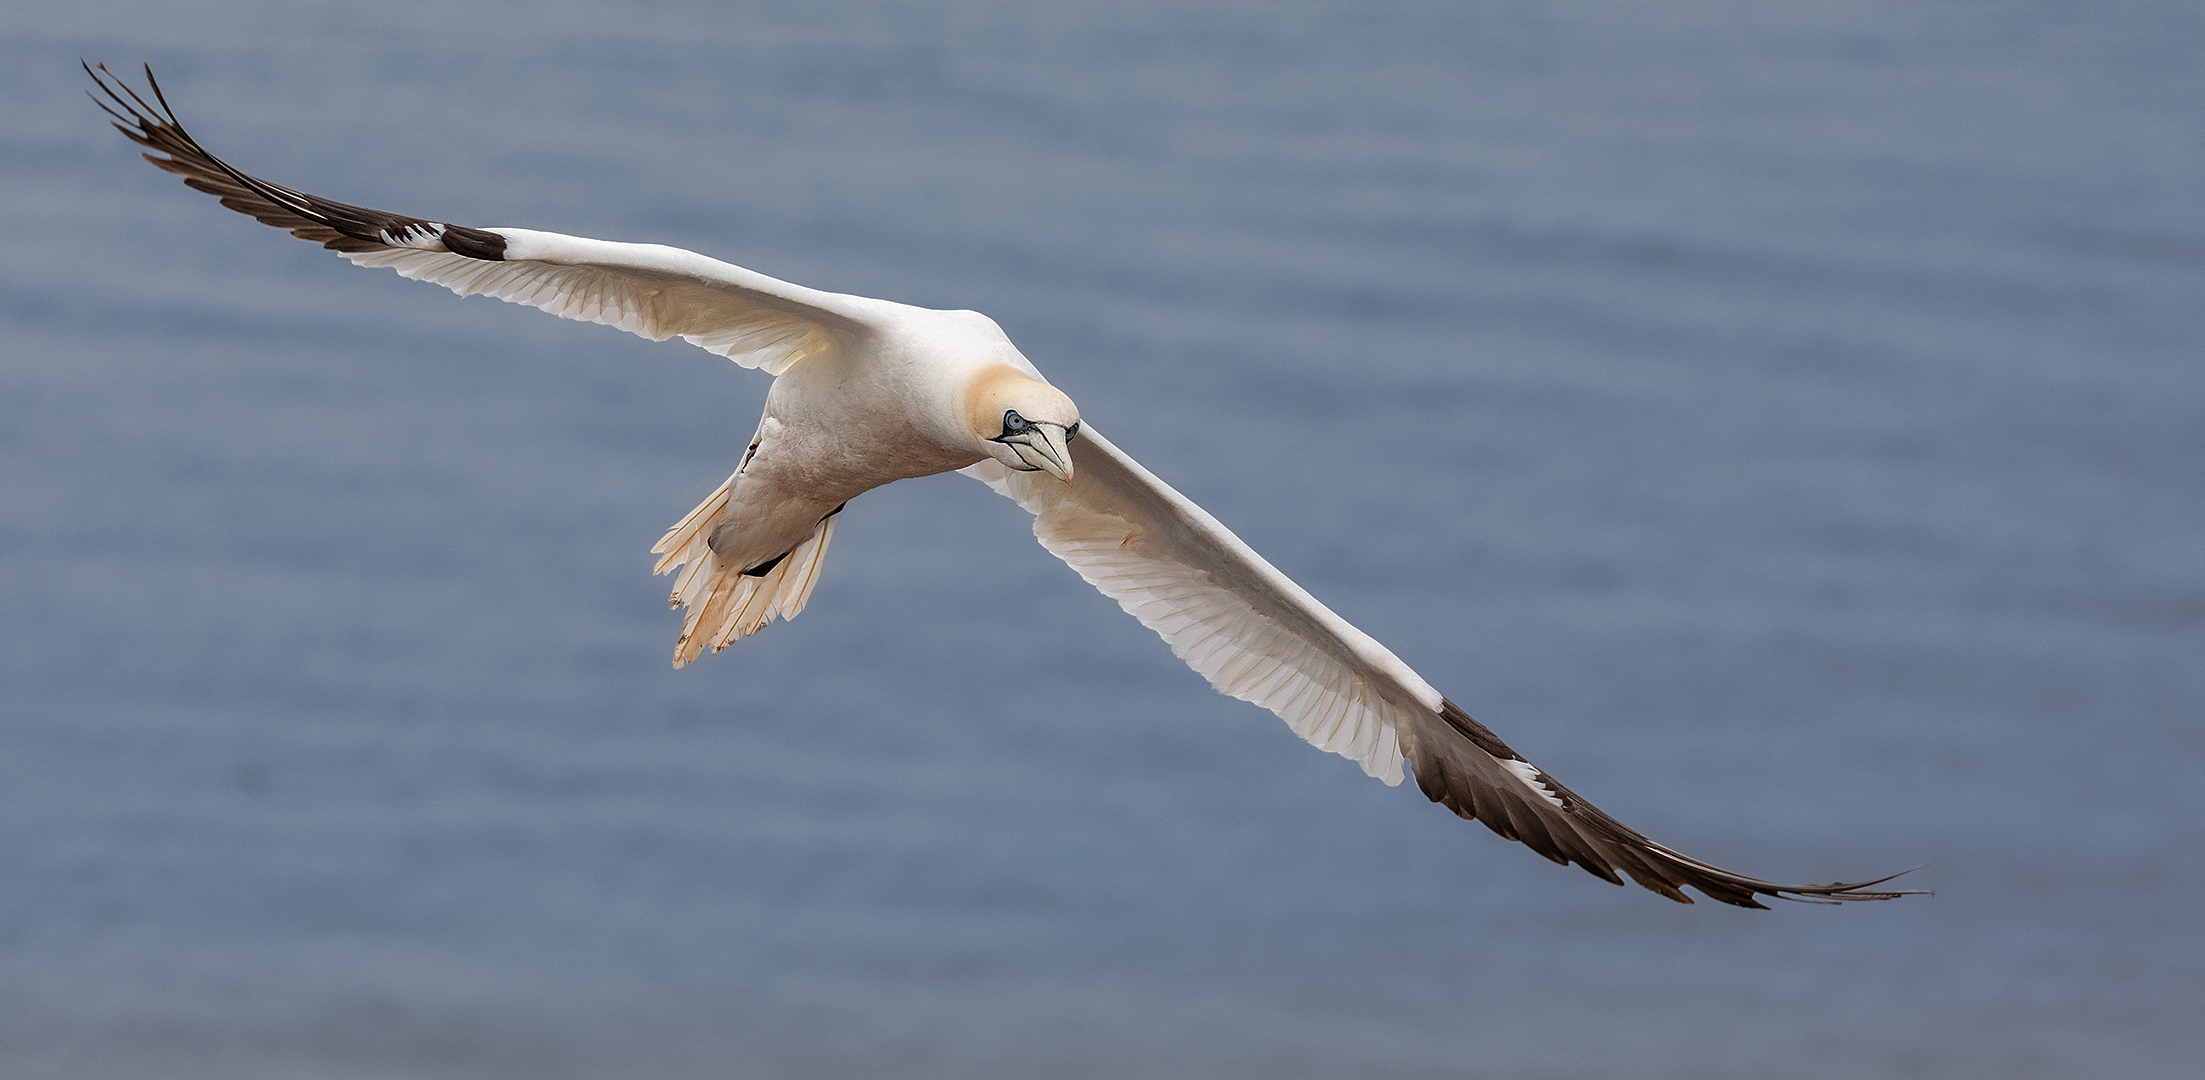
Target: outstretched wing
x,y
1257,636
647,289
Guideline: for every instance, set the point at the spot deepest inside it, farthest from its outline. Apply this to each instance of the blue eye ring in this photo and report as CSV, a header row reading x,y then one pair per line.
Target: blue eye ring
x,y
1014,424
1071,433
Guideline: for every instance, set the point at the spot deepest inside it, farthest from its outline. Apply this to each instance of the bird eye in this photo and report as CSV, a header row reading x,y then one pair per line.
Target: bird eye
x,y
1071,433
1014,424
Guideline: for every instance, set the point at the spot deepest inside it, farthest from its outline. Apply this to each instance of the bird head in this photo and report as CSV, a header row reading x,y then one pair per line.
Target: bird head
x,y
1024,423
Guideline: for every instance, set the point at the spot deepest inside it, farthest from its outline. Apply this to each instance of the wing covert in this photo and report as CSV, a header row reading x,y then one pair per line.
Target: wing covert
x,y
1248,629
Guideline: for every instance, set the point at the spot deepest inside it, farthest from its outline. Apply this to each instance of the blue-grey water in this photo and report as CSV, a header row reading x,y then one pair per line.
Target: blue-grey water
x,y
1785,422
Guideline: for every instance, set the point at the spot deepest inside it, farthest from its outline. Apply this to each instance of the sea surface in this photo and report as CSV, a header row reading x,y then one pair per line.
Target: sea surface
x,y
1783,422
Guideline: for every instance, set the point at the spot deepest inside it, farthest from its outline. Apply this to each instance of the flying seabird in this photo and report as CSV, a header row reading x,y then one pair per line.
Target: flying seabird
x,y
869,391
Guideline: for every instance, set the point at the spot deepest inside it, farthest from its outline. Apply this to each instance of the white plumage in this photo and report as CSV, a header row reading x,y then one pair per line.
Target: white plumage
x,y
868,392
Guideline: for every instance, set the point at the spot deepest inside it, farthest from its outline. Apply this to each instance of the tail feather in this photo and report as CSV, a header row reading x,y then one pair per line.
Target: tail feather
x,y
724,603
688,540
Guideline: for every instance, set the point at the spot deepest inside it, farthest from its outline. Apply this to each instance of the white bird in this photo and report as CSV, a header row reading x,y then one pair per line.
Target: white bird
x,y
867,392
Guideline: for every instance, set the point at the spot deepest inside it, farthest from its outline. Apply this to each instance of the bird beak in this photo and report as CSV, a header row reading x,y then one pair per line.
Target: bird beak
x,y
1044,448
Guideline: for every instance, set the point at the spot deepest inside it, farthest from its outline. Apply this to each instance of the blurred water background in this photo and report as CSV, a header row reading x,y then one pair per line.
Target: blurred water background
x,y
1782,421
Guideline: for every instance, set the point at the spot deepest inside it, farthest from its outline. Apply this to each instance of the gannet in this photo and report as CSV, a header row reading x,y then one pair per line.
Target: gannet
x,y
867,392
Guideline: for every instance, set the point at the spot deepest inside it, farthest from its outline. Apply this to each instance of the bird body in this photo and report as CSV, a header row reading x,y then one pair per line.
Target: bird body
x,y
904,396
868,392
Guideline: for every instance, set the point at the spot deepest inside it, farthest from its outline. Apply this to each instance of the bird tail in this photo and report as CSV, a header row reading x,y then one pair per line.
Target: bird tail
x,y
724,602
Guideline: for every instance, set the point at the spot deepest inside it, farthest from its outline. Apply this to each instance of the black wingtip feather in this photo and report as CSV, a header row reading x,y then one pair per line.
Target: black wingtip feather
x,y
335,225
1578,832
